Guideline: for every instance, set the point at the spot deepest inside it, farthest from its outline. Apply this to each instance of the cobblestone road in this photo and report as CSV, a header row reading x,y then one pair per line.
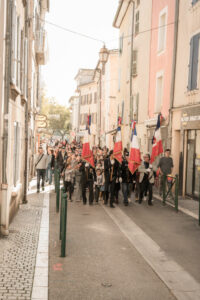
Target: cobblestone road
x,y
18,251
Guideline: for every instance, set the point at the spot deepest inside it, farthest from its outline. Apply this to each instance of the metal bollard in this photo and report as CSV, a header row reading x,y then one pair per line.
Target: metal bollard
x,y
58,192
164,189
176,192
61,212
63,225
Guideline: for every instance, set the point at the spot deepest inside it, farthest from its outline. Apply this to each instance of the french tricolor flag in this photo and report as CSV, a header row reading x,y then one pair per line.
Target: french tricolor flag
x,y
134,157
87,153
157,147
117,151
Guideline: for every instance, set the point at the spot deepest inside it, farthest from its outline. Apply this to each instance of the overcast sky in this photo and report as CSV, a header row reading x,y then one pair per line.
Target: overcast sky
x,y
69,52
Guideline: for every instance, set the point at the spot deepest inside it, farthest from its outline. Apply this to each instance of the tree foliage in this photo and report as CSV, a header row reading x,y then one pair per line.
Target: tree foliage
x,y
50,108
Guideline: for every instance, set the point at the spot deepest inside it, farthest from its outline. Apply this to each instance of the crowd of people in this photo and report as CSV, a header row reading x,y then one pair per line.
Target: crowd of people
x,y
103,181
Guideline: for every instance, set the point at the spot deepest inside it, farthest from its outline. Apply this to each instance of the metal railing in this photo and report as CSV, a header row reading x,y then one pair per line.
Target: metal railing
x,y
168,183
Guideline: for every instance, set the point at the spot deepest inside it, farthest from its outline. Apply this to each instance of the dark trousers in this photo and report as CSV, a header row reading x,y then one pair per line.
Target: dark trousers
x,y
40,174
146,186
97,192
125,191
91,193
112,191
68,188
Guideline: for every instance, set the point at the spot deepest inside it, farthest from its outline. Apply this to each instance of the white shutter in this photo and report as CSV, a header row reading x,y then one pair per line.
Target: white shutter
x,y
14,44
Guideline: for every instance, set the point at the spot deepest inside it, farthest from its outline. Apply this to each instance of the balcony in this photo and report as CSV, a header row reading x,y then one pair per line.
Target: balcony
x,y
41,47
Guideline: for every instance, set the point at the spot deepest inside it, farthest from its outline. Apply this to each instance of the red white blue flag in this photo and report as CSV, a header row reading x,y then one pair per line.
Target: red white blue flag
x,y
157,147
87,153
134,157
117,151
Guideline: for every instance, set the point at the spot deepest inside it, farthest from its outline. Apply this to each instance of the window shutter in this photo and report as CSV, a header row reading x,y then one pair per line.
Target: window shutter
x,y
25,68
195,61
18,52
134,66
121,40
135,107
22,64
122,111
137,22
131,109
14,44
193,65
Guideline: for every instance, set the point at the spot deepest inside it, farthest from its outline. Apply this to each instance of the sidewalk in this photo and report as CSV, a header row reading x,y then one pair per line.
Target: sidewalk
x,y
19,250
188,206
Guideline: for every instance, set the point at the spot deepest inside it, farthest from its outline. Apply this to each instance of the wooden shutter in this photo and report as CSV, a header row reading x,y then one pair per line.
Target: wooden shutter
x,y
135,107
22,64
137,22
18,52
134,66
14,44
194,60
25,68
131,109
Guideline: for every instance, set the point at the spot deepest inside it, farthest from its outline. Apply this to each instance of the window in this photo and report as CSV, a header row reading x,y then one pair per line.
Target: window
x,y
159,92
194,62
14,44
137,22
162,30
194,2
90,98
95,97
138,3
121,41
16,151
119,79
18,53
134,66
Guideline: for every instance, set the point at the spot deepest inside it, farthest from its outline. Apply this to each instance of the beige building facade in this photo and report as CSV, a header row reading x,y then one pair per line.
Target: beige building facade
x,y
87,89
19,99
186,105
133,18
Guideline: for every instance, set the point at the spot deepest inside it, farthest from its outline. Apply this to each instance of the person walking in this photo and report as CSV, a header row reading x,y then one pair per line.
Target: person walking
x,y
165,167
112,172
146,179
41,163
127,179
98,184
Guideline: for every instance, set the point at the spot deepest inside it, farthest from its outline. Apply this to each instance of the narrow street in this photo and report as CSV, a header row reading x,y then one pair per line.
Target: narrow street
x,y
134,252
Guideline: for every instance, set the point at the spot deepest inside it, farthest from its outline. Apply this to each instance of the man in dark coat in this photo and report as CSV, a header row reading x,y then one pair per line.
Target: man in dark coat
x,y
111,172
87,180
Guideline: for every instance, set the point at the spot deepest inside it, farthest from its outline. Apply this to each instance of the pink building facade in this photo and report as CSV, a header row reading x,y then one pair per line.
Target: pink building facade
x,y
161,63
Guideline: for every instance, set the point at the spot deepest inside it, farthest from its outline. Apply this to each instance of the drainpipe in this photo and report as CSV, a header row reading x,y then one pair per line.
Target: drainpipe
x,y
173,69
4,187
24,201
131,62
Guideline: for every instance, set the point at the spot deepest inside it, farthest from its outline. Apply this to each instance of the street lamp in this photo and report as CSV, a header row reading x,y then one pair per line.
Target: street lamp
x,y
103,57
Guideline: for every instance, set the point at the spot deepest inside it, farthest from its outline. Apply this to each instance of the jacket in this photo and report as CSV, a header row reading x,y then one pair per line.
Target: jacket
x,y
142,170
43,163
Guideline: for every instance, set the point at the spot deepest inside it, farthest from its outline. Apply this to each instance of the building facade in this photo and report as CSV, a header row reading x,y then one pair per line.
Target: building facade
x,y
186,104
19,94
87,89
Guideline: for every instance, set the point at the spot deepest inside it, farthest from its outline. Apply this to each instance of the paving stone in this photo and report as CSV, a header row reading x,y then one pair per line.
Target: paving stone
x,y
19,250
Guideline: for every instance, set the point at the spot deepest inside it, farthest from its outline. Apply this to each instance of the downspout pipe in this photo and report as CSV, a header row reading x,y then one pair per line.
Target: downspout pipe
x,y
4,186
24,200
172,92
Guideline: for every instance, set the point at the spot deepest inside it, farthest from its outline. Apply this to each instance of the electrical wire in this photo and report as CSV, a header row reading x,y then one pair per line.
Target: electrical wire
x,y
71,31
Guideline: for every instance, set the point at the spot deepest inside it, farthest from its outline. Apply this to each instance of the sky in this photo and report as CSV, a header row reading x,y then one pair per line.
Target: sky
x,y
69,52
